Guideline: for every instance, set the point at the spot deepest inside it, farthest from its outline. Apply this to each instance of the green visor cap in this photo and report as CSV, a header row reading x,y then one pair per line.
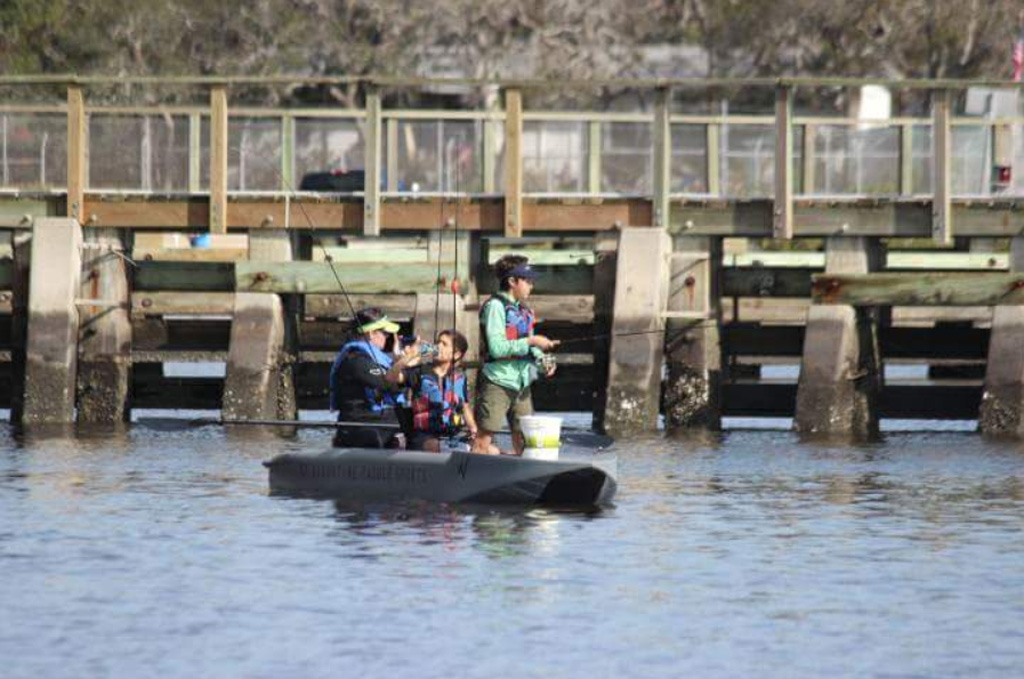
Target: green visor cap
x,y
383,324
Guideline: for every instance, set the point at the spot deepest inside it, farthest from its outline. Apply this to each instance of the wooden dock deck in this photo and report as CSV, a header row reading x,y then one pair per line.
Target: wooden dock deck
x,y
695,266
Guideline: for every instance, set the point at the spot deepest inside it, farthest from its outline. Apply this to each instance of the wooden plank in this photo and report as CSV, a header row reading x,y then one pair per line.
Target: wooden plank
x,y
513,163
308,277
568,308
759,282
372,164
942,168
782,224
919,289
336,306
182,303
78,160
218,160
287,154
194,254
662,140
185,276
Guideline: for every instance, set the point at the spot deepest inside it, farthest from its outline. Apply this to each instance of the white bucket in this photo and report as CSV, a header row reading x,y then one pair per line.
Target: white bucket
x,y
541,453
541,432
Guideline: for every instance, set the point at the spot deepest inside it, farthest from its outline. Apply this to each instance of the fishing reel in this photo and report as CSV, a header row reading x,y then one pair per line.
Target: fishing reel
x,y
546,363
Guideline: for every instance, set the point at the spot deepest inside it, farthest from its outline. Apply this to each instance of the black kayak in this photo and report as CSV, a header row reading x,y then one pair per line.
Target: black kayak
x,y
361,474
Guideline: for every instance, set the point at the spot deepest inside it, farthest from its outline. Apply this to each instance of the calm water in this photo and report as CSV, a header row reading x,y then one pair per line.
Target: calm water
x,y
160,554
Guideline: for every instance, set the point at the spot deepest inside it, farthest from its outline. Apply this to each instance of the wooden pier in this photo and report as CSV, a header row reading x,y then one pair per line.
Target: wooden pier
x,y
686,299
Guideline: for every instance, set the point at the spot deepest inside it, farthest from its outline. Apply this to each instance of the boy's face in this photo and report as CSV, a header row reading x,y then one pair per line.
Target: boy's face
x,y
445,350
520,287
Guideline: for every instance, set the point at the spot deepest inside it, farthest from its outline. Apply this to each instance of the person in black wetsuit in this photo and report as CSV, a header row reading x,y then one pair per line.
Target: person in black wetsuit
x,y
359,391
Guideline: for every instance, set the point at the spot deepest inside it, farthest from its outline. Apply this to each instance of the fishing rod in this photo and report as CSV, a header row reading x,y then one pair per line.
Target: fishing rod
x,y
608,335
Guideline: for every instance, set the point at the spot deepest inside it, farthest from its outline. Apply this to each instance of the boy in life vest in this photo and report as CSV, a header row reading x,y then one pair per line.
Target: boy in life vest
x,y
440,408
510,355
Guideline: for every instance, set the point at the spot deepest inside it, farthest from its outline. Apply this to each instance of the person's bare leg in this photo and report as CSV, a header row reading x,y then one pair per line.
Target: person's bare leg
x,y
482,443
518,441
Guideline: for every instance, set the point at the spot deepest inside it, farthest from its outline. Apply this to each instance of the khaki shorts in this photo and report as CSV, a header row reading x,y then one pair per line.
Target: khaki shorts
x,y
496,406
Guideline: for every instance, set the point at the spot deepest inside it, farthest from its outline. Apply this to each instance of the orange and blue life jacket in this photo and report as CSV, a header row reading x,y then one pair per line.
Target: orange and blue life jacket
x,y
437,404
519,323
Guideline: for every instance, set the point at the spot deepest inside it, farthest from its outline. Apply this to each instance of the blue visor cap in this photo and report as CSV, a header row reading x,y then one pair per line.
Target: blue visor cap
x,y
523,271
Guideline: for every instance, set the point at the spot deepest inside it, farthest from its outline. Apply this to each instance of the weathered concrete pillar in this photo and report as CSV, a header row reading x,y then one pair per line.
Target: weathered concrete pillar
x,y
637,340
606,245
259,383
51,353
840,375
105,331
1002,399
693,349
21,245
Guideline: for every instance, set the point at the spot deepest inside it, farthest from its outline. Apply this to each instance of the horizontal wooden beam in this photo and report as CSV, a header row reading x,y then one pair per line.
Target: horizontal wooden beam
x,y
321,277
919,289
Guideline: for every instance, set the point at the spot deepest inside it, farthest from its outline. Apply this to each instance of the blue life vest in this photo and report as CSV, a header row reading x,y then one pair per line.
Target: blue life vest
x,y
376,400
519,323
437,406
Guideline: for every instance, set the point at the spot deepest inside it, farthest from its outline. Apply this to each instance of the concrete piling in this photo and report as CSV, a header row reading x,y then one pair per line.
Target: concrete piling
x,y
637,341
51,352
1002,399
840,374
105,331
259,383
693,351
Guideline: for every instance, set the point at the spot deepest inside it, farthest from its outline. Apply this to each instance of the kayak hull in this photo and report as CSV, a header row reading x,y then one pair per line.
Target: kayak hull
x,y
372,475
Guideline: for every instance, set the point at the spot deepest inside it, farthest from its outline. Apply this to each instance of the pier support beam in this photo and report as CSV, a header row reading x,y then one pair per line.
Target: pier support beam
x,y
632,402
1002,400
105,331
260,384
840,375
51,352
693,345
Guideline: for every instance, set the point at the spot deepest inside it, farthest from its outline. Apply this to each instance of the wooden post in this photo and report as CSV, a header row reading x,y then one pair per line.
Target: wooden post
x,y
372,163
783,209
662,139
490,159
840,376
810,159
693,345
78,158
288,183
219,159
907,160
714,143
105,331
637,338
594,157
51,357
942,206
392,155
1002,400
513,163
260,383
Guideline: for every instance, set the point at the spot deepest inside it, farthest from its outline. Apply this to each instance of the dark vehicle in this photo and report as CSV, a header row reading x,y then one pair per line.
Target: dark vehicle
x,y
337,181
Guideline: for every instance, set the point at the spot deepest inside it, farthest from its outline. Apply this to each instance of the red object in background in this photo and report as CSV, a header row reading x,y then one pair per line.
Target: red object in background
x,y
1005,174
